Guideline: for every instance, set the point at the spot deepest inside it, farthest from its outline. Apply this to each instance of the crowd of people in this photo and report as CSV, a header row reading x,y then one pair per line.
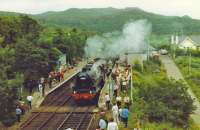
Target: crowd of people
x,y
119,105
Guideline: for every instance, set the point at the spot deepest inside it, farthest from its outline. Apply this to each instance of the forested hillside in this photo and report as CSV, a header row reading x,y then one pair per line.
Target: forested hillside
x,y
110,19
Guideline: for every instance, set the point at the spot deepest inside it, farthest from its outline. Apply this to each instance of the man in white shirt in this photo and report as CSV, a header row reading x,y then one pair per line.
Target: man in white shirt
x,y
107,101
115,112
29,99
112,125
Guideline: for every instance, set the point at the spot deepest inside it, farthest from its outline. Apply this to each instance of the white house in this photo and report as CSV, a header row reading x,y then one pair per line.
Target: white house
x,y
192,42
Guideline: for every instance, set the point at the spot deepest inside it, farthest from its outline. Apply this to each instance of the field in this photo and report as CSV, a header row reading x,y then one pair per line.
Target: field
x,y
192,77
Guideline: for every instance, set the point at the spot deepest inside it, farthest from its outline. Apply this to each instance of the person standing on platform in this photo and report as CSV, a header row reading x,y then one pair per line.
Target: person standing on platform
x,y
50,80
30,85
115,112
112,125
115,89
118,80
127,101
120,114
124,84
125,113
102,124
107,101
29,99
42,81
18,112
119,101
40,88
62,75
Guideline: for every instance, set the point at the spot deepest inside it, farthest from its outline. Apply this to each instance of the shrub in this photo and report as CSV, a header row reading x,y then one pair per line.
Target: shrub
x,y
167,100
137,66
9,119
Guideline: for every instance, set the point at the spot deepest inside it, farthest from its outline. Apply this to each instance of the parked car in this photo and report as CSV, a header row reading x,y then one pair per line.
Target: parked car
x,y
163,52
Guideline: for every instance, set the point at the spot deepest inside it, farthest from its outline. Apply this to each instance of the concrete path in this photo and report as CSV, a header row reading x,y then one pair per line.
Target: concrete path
x,y
174,72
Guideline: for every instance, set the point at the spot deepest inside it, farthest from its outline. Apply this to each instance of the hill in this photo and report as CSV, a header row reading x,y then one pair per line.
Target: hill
x,y
111,19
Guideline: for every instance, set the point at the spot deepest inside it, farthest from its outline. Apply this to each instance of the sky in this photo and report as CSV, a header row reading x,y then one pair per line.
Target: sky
x,y
165,7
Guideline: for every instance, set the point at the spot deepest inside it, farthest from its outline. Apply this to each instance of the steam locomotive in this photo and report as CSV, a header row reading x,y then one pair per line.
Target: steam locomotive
x,y
88,83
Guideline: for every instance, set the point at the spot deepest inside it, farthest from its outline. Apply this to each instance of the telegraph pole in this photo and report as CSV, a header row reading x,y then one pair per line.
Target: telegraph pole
x,y
127,62
147,49
131,83
189,65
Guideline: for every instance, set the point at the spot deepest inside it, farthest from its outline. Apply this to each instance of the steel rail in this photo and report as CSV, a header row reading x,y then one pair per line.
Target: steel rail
x,y
89,125
67,117
29,121
48,119
81,121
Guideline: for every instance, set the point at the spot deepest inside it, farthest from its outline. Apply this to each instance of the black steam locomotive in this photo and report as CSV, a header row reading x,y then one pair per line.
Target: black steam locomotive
x,y
88,85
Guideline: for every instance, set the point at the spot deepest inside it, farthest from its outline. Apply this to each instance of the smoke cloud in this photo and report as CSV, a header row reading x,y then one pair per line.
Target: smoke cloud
x,y
95,70
132,38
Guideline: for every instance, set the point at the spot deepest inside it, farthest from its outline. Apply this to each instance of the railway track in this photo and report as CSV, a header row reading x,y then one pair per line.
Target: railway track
x,y
49,118
43,117
76,121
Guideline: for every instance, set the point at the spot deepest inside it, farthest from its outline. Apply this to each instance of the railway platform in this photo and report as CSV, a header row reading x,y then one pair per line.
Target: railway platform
x,y
37,98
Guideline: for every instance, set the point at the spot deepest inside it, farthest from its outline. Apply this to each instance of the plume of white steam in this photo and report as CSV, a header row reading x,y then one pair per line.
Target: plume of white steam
x,y
95,70
132,38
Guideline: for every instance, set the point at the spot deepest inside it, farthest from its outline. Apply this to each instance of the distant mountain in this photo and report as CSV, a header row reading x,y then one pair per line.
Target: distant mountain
x,y
2,13
111,19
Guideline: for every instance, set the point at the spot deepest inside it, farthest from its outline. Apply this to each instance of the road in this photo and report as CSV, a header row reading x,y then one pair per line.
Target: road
x,y
174,72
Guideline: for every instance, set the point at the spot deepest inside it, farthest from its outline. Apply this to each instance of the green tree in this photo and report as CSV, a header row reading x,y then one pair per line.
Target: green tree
x,y
29,27
31,60
9,30
8,86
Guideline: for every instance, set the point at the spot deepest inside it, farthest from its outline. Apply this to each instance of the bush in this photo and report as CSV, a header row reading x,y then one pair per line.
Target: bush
x,y
184,52
152,66
9,119
167,100
137,66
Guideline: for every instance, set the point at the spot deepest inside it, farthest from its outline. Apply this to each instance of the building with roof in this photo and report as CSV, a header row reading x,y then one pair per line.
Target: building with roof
x,y
191,42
